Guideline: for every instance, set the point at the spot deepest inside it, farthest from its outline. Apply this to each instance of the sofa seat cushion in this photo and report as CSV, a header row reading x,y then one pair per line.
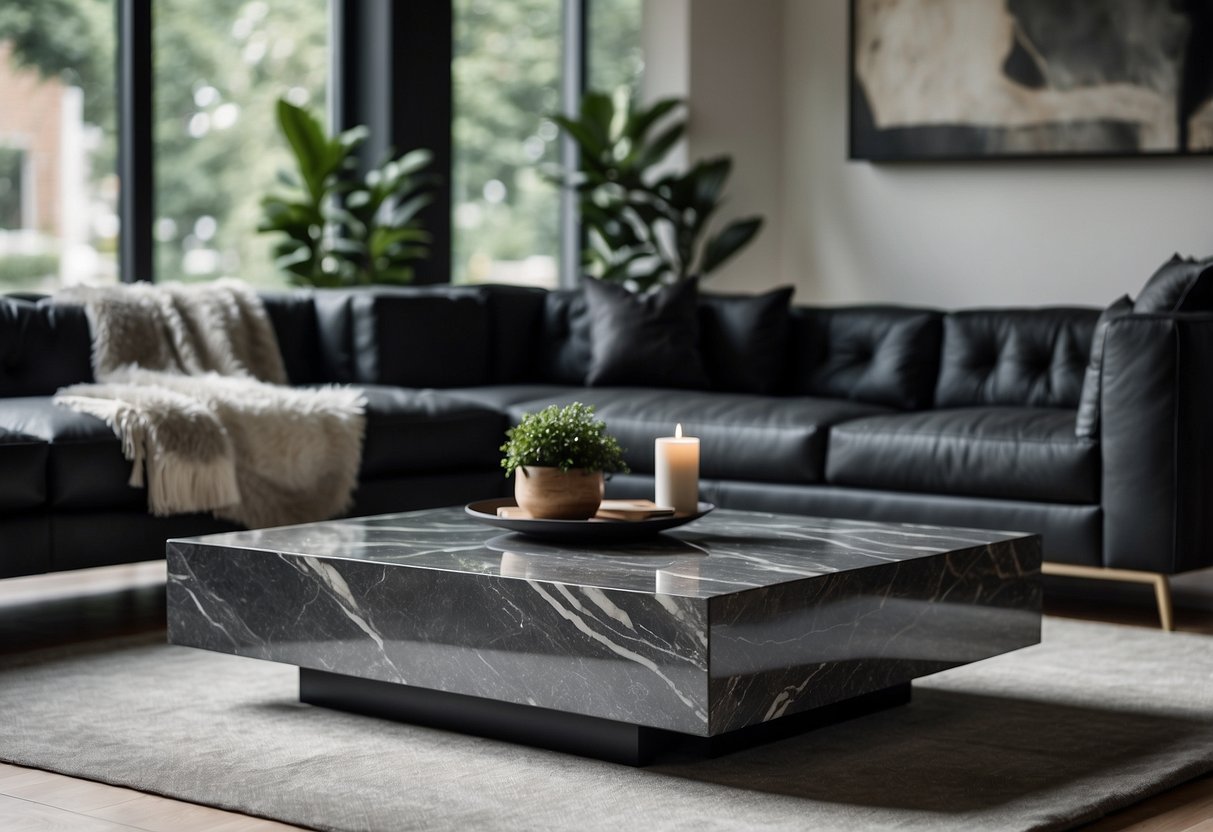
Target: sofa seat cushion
x,y
501,396
84,467
742,437
411,430
23,461
1015,453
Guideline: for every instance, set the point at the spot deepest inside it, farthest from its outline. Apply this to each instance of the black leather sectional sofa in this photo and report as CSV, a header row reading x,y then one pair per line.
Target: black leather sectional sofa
x,y
961,418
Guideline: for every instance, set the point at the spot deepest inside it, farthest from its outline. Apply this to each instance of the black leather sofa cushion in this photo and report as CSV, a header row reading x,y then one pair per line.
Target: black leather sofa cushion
x,y
743,340
85,466
43,346
515,329
1020,357
423,337
741,436
1157,406
1180,285
75,534
1012,453
649,340
1069,533
884,355
417,491
23,465
335,334
25,543
293,316
427,430
501,396
74,461
564,349
1087,423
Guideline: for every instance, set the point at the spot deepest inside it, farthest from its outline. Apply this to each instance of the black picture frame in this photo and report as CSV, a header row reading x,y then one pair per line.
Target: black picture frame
x,y
1066,137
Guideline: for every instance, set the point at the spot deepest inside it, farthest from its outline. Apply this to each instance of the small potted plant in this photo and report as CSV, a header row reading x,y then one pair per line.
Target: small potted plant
x,y
558,457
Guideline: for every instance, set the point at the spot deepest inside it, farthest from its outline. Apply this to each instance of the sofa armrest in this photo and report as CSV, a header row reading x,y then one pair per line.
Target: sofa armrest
x,y
1156,408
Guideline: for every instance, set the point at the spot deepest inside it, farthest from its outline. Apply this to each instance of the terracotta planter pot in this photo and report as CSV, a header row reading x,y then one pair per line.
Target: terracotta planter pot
x,y
552,494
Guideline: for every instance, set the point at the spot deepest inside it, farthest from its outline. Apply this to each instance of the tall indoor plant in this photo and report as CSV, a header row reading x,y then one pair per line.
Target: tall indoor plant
x,y
339,229
645,225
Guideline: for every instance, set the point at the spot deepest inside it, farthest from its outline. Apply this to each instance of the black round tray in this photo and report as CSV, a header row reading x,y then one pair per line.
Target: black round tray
x,y
588,530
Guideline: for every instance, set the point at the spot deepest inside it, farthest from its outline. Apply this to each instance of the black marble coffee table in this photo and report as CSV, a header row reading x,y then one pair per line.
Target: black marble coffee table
x,y
734,626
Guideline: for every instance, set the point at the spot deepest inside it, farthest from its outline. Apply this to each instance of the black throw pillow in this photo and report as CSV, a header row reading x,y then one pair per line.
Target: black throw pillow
x,y
649,340
564,357
1179,285
1087,424
744,339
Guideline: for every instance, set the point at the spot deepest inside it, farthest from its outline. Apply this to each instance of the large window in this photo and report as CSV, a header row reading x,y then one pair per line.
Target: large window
x,y
58,188
506,76
615,57
220,66
16,188
201,80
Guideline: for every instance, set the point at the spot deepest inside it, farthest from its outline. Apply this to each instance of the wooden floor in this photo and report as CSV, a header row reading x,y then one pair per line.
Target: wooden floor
x,y
47,611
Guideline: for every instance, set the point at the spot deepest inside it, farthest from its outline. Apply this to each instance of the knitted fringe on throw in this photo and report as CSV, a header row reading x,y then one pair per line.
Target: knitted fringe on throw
x,y
201,431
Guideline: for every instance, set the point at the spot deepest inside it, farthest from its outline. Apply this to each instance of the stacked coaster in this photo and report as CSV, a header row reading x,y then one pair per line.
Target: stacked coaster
x,y
627,510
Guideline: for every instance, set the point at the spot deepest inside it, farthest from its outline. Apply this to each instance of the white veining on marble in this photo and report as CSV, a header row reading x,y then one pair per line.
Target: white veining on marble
x,y
733,550
603,603
618,649
340,593
736,619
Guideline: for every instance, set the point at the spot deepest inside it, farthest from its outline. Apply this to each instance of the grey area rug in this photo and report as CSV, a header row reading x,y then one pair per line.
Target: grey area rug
x,y
1094,719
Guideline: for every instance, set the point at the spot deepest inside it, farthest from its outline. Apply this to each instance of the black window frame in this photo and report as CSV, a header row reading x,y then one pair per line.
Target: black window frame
x,y
390,70
136,149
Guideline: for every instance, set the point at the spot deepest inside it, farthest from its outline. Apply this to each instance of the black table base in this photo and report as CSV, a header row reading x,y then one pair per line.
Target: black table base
x,y
588,736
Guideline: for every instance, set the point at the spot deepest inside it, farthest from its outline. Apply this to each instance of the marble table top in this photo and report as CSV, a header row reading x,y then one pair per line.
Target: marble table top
x,y
723,553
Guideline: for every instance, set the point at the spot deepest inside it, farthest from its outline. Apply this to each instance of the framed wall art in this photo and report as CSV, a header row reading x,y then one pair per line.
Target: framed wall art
x,y
974,79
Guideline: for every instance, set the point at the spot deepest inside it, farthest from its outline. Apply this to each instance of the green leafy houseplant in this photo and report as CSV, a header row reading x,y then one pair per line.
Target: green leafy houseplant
x,y
562,454
643,227
339,229
562,437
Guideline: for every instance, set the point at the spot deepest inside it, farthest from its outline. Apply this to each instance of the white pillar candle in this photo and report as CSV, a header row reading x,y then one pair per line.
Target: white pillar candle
x,y
676,468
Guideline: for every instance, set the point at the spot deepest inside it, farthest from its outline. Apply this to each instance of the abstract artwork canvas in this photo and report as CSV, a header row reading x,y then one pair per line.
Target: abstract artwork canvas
x,y
971,79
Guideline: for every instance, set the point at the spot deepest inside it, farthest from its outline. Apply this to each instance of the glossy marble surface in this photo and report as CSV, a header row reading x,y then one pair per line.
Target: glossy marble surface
x,y
737,618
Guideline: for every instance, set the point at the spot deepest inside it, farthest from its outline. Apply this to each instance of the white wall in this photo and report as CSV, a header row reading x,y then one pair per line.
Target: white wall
x,y
666,41
737,108
725,57
959,234
767,82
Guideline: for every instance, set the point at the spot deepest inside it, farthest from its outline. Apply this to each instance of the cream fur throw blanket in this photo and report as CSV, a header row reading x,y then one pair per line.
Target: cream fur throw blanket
x,y
191,379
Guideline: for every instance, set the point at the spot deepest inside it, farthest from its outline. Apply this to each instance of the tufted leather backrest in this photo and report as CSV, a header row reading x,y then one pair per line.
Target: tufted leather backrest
x,y
43,346
885,355
1033,357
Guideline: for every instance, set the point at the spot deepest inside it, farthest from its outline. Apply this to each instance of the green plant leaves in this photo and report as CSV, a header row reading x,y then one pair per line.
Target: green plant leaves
x,y
341,230
641,121
562,437
644,228
729,241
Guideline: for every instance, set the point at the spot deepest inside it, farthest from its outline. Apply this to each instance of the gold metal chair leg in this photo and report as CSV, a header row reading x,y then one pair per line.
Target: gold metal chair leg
x,y
1162,586
1162,591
